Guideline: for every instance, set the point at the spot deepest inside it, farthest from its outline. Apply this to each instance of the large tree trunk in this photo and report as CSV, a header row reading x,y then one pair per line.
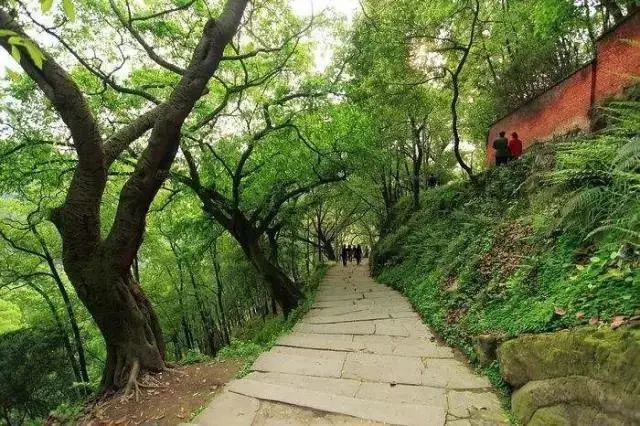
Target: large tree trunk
x,y
126,319
285,291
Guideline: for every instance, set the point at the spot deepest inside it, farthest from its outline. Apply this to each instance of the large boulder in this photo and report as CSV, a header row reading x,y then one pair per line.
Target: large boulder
x,y
584,376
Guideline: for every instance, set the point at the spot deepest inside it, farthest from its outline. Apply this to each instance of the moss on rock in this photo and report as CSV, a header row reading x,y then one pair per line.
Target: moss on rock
x,y
584,376
603,354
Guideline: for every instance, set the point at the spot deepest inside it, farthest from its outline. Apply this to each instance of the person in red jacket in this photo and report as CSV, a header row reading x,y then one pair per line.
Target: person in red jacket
x,y
515,147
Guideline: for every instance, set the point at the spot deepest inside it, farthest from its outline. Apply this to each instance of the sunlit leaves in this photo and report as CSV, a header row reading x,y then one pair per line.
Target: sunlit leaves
x,y
69,9
17,41
45,5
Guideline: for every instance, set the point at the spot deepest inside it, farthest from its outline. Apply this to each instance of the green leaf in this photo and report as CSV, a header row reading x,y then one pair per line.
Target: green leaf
x,y
35,53
4,33
45,5
15,53
69,9
13,75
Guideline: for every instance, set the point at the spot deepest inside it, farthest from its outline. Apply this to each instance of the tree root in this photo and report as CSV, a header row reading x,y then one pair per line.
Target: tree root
x,y
138,381
132,383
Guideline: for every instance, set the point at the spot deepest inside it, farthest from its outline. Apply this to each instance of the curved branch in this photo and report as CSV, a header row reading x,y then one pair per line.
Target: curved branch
x,y
127,23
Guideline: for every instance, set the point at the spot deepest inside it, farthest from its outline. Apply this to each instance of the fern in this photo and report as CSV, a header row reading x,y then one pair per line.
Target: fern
x,y
602,174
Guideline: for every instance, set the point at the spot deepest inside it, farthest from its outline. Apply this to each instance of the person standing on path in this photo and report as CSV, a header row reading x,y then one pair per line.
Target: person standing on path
x,y
350,253
501,146
344,254
358,254
515,147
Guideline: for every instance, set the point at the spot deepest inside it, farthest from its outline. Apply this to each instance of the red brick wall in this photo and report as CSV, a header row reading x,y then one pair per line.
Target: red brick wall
x,y
618,59
566,106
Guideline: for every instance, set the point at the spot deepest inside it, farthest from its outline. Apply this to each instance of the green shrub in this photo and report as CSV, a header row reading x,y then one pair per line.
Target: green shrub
x,y
193,356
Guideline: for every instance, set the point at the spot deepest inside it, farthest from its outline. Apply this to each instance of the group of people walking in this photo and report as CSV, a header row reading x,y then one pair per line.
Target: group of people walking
x,y
507,149
349,253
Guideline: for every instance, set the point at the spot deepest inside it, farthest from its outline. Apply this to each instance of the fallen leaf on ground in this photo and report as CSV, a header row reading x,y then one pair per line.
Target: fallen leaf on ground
x,y
560,311
579,315
593,320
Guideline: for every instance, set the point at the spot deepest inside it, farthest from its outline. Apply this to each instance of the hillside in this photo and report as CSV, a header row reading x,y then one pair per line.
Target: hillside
x,y
546,243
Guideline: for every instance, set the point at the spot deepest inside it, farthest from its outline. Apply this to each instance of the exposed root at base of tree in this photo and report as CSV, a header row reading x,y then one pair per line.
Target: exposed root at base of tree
x,y
138,381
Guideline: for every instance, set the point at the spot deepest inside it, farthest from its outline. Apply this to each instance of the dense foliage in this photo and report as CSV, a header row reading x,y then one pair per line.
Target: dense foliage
x,y
533,248
172,194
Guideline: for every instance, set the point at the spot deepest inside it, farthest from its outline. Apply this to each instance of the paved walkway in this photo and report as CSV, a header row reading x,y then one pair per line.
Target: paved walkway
x,y
360,356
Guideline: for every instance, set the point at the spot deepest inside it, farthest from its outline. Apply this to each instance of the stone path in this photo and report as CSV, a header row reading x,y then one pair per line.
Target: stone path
x,y
360,356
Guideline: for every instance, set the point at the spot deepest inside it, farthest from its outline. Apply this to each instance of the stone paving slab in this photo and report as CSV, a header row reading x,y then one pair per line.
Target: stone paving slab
x,y
423,348
405,414
383,368
351,328
373,344
420,395
334,342
276,414
479,406
353,317
344,387
451,374
360,356
337,356
293,364
230,409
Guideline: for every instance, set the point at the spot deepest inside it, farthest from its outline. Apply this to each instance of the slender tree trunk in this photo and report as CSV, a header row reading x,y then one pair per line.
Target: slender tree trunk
x,y
308,256
177,347
219,284
74,328
208,325
66,341
82,363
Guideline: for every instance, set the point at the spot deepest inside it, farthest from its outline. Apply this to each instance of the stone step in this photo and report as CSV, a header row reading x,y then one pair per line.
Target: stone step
x,y
351,317
382,411
229,409
343,387
375,344
299,364
383,368
351,328
404,394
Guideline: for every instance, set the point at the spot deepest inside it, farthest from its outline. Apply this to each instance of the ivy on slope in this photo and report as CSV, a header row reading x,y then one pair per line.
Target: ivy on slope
x,y
504,257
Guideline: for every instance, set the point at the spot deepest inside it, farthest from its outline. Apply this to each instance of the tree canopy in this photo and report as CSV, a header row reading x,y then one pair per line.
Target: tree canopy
x,y
172,169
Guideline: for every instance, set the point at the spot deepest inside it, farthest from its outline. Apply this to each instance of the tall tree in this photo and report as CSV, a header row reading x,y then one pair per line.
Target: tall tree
x,y
100,268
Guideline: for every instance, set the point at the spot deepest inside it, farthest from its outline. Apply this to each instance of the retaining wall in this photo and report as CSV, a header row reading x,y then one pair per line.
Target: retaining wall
x,y
566,107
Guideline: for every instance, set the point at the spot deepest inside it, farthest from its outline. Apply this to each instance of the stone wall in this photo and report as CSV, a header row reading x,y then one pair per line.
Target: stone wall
x,y
566,107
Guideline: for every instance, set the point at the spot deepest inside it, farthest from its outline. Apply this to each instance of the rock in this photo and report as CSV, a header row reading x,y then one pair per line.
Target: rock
x,y
603,354
486,347
584,376
568,415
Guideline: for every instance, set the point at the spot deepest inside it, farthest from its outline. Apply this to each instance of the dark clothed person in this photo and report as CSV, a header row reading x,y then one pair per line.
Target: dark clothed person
x,y
515,146
358,254
344,254
501,146
350,253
